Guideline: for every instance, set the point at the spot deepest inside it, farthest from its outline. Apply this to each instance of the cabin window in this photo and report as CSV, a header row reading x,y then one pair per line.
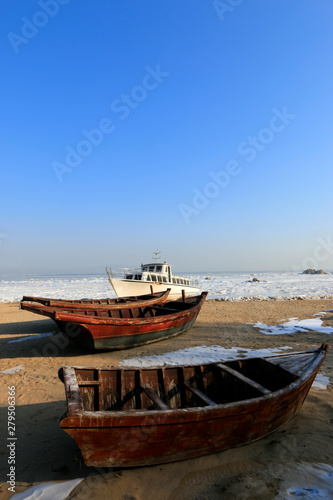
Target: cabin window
x,y
138,276
164,279
148,278
178,282
151,268
159,269
145,268
153,277
128,277
173,280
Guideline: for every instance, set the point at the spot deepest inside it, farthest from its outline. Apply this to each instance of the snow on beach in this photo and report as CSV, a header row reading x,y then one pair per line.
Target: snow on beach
x,y
306,480
48,491
293,325
223,286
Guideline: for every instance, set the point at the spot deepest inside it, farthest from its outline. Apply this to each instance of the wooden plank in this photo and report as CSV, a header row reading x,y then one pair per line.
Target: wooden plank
x,y
154,397
181,387
108,389
162,308
88,382
99,390
244,379
199,394
149,378
189,376
127,389
74,401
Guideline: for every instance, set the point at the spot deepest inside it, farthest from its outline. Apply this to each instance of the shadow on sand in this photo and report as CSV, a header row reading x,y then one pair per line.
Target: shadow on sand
x,y
44,452
38,339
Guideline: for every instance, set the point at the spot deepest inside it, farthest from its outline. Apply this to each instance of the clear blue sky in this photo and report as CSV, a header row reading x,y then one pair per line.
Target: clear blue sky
x,y
203,129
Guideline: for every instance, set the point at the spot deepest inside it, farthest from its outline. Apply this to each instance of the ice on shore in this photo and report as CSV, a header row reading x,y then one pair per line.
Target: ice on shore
x,y
15,369
305,480
31,337
293,325
321,382
48,491
221,286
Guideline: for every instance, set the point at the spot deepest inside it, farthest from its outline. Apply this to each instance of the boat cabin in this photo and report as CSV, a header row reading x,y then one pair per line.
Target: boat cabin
x,y
157,272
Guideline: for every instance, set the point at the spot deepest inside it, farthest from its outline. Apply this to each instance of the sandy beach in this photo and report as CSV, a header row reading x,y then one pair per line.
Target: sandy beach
x,y
299,455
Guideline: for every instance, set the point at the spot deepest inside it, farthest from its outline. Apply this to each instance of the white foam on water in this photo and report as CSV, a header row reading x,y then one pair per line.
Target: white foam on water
x,y
199,355
48,491
15,369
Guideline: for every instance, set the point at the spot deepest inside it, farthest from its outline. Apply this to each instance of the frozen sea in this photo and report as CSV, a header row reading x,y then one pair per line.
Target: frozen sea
x,y
220,285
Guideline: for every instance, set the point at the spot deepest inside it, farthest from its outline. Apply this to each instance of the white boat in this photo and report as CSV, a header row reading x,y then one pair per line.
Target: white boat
x,y
150,278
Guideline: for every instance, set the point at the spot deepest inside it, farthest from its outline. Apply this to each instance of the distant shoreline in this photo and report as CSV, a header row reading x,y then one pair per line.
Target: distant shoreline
x,y
234,299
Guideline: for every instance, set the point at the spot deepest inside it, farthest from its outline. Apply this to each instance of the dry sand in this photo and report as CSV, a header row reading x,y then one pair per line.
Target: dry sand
x,y
262,469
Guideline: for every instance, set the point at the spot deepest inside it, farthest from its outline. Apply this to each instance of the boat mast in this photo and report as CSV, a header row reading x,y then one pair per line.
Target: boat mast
x,y
156,255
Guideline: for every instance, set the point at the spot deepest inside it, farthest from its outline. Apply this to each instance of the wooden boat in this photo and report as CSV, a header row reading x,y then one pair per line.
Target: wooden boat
x,y
135,417
138,300
125,327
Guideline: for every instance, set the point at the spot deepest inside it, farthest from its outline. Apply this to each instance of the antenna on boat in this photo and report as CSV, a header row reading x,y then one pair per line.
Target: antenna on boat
x,y
156,255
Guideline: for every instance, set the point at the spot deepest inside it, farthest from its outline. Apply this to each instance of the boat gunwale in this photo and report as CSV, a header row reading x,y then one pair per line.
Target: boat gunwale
x,y
79,305
206,412
95,320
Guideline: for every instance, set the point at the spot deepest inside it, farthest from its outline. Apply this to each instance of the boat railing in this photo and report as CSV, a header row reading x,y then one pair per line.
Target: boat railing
x,y
120,272
192,282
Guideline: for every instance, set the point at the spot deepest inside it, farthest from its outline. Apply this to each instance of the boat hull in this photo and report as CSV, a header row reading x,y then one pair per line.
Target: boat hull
x,y
113,337
156,440
124,287
139,437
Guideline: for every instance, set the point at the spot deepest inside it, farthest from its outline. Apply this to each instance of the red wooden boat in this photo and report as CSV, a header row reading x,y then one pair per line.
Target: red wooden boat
x,y
135,417
125,327
139,300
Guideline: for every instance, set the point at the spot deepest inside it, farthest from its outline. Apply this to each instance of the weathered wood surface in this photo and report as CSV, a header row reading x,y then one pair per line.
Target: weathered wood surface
x,y
151,416
93,304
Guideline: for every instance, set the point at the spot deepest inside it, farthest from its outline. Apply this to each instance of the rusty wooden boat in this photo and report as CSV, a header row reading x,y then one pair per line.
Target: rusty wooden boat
x,y
125,327
135,417
139,300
